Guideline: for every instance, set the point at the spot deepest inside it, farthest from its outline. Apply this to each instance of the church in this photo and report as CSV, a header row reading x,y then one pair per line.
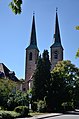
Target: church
x,y
32,52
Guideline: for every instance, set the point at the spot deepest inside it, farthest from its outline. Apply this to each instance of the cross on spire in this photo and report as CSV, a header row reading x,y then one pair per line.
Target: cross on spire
x,y
56,9
33,13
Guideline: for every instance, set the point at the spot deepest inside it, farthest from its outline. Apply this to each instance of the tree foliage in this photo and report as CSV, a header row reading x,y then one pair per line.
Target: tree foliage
x,y
6,87
61,89
65,82
77,27
77,53
17,99
41,77
15,5
10,97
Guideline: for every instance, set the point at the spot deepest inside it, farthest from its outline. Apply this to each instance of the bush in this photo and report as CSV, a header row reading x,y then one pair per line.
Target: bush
x,y
17,99
34,106
68,106
8,114
41,106
23,110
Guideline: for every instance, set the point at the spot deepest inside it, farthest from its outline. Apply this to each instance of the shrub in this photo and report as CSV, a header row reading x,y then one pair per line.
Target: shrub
x,y
8,114
41,106
68,106
34,106
17,99
23,110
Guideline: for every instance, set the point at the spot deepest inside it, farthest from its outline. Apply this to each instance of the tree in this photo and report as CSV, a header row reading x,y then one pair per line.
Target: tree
x,y
41,77
65,78
47,67
6,86
15,5
10,97
17,99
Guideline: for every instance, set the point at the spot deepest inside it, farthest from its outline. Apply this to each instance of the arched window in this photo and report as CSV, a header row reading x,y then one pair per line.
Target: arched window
x,y
36,58
56,55
30,56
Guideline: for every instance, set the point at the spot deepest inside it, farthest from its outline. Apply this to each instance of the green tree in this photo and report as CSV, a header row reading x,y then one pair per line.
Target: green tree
x,y
41,77
6,86
17,99
10,97
37,82
47,67
65,78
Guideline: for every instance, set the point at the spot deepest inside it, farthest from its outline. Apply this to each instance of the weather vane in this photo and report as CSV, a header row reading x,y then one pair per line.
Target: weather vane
x,y
33,12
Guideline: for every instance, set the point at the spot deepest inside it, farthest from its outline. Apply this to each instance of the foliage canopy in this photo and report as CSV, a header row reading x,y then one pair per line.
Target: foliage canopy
x,y
41,77
10,97
65,82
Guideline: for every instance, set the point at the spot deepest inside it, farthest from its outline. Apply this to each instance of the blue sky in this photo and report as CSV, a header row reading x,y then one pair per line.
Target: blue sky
x,y
15,30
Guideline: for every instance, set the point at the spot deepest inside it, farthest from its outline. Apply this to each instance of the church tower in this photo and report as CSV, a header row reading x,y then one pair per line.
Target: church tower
x,y
32,54
56,49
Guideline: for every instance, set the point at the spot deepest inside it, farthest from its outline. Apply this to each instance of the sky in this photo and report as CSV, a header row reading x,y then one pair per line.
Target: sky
x,y
15,30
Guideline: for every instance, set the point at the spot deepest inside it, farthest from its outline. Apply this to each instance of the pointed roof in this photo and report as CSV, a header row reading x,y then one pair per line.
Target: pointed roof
x,y
33,40
57,38
7,73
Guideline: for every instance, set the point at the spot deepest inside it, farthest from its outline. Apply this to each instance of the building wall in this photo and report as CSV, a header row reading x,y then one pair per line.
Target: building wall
x,y
56,57
30,64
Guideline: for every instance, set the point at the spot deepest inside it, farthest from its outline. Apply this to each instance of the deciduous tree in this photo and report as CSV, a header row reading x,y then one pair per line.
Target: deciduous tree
x,y
65,78
6,87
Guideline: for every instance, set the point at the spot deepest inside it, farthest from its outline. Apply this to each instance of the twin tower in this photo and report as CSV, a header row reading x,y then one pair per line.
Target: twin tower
x,y
32,52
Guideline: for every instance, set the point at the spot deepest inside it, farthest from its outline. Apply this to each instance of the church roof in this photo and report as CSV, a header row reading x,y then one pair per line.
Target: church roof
x,y
5,72
57,38
33,40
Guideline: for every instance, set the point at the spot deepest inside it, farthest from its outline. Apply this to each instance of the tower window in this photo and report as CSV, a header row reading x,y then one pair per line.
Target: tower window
x,y
30,56
36,59
55,55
